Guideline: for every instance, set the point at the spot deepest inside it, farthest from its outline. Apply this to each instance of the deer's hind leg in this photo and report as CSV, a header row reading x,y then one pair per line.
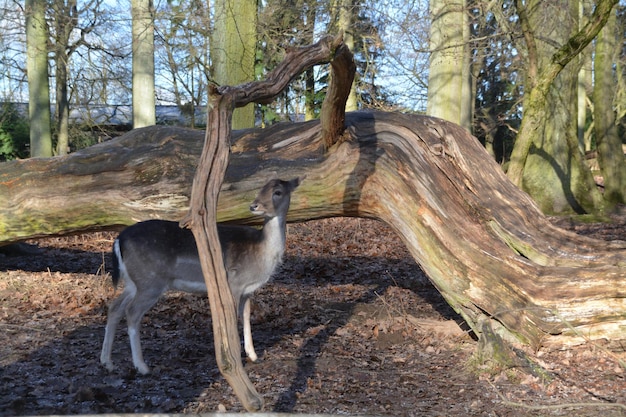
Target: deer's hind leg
x,y
135,310
116,311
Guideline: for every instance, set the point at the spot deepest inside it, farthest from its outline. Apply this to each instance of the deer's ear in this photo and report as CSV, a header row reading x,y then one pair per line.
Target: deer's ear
x,y
293,184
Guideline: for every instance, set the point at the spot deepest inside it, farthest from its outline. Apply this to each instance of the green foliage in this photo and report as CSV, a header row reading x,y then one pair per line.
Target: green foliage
x,y
80,138
269,116
14,133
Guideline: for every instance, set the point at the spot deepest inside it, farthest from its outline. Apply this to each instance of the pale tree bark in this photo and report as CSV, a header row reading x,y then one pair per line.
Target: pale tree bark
x,y
468,86
345,24
62,104
585,89
65,16
233,49
38,84
449,94
546,161
144,99
309,95
496,259
309,75
585,82
620,93
610,154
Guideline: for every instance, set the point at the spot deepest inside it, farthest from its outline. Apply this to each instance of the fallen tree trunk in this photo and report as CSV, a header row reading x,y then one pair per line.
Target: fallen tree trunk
x,y
483,243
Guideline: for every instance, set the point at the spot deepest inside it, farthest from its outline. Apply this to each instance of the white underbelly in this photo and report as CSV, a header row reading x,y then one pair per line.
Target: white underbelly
x,y
189,286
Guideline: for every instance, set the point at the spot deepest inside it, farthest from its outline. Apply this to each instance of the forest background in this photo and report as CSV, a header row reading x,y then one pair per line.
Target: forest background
x,y
475,63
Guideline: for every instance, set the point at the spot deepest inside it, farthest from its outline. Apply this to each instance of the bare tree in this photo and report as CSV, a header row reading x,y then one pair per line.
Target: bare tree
x,y
68,35
183,49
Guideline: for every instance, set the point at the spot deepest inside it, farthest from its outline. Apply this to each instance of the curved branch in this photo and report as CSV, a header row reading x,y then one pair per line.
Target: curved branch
x,y
202,219
296,61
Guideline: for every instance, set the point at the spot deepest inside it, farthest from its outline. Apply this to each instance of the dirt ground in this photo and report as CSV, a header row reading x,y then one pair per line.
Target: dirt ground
x,y
349,326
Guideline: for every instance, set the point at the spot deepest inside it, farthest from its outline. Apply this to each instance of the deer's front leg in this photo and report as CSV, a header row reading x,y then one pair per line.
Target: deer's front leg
x,y
247,332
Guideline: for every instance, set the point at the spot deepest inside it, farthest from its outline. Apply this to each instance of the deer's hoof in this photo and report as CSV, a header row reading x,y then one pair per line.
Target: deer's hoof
x,y
143,369
109,366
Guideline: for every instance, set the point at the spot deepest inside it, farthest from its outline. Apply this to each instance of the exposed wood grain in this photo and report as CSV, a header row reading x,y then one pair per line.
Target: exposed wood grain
x,y
202,219
482,241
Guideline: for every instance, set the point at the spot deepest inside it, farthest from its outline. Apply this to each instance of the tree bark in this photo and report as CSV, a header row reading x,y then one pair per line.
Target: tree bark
x,y
38,85
608,141
340,88
449,91
144,100
233,49
345,23
483,242
202,219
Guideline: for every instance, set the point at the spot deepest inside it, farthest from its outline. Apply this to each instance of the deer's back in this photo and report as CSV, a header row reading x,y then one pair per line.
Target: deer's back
x,y
159,253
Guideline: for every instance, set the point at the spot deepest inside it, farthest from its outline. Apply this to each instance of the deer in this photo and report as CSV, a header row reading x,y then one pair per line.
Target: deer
x,y
155,256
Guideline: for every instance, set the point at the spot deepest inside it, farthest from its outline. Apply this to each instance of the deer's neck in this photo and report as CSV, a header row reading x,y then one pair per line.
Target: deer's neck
x,y
274,240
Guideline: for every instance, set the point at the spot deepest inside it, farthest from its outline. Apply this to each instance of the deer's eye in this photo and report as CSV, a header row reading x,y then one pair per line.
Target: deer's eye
x,y
278,193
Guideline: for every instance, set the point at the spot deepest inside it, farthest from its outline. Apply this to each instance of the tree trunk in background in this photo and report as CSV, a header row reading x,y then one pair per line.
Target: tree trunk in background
x,y
609,144
449,94
65,15
62,106
309,74
546,161
38,85
620,90
585,88
555,174
233,50
309,95
345,23
144,100
585,82
468,88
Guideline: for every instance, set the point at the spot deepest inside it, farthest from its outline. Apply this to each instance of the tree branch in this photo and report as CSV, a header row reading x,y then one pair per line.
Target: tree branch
x,y
295,62
202,217
333,111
